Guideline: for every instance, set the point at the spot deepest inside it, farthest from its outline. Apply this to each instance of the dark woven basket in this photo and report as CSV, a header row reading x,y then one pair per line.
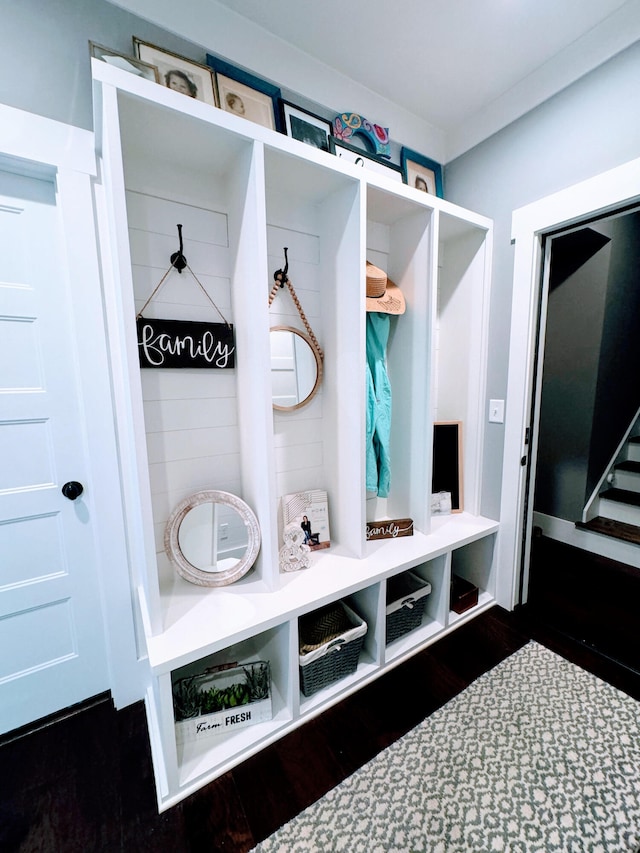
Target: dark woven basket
x,y
331,640
322,625
406,599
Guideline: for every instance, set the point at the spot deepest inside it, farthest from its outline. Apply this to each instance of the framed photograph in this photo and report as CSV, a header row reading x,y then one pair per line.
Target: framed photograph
x,y
126,63
244,95
177,73
310,511
305,126
421,172
361,158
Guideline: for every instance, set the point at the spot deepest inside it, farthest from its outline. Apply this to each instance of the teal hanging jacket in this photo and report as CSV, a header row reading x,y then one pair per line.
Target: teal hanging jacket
x,y
378,404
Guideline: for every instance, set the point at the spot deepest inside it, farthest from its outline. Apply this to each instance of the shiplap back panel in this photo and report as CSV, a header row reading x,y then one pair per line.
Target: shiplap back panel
x,y
298,435
191,419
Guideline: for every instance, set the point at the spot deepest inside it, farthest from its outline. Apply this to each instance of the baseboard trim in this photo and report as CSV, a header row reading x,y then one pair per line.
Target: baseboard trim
x,y
57,717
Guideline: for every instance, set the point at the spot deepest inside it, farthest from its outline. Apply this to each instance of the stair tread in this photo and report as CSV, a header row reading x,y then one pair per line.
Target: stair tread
x,y
634,439
623,496
628,465
610,527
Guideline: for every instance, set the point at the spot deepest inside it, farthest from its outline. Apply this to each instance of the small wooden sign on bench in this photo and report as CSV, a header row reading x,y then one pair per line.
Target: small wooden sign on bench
x,y
389,528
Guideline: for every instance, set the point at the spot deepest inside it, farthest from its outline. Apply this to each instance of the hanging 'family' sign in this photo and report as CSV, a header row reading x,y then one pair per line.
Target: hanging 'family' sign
x,y
184,343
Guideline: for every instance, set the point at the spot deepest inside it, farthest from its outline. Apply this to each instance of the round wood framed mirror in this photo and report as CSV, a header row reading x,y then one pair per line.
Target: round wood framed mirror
x,y
212,538
296,368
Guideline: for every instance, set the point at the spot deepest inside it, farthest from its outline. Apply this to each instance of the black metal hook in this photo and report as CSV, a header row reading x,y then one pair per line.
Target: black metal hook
x,y
281,275
178,259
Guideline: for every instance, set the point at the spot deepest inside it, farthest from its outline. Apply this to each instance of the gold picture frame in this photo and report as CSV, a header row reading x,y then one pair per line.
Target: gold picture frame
x,y
178,73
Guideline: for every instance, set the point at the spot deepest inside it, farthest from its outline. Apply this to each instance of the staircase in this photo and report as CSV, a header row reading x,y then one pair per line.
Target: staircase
x,y
617,509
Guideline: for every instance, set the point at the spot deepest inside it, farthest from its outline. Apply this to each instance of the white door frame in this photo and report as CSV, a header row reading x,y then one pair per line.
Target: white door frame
x,y
32,145
596,196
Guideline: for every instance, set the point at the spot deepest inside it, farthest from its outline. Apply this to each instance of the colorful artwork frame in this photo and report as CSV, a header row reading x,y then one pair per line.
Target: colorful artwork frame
x,y
376,138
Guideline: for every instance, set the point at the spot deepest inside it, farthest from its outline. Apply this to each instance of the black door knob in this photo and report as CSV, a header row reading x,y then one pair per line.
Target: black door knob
x,y
72,490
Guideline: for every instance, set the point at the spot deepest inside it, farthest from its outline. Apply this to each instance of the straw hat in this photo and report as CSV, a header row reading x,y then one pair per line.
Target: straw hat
x,y
383,295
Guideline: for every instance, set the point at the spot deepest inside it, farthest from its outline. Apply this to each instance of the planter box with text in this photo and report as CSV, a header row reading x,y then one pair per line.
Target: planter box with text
x,y
219,701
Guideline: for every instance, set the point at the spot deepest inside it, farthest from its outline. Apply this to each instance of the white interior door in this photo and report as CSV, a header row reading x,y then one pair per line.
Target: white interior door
x,y
52,640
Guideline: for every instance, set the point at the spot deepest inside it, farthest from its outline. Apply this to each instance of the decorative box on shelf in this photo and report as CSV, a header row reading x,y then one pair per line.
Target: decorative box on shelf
x,y
221,700
331,639
464,594
406,598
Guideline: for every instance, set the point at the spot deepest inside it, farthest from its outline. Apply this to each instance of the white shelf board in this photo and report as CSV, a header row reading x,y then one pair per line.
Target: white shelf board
x,y
485,600
344,686
198,621
412,640
197,759
456,223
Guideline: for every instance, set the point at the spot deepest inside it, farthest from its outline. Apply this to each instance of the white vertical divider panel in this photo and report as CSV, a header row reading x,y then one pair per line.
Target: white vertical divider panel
x,y
248,242
162,739
293,659
478,402
446,584
125,373
343,237
370,605
434,325
410,251
431,329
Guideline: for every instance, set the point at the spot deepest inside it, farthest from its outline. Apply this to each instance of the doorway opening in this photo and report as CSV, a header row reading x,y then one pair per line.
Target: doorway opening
x,y
583,477
607,196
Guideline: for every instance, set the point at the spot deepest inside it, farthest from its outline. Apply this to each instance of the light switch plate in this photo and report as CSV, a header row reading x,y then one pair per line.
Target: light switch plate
x,y
496,411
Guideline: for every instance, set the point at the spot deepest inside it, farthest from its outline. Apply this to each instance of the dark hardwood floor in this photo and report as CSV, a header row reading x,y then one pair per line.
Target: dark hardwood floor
x,y
589,598
84,781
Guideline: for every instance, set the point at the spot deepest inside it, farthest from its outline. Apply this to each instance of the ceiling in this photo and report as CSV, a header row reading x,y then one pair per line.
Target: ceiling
x,y
466,67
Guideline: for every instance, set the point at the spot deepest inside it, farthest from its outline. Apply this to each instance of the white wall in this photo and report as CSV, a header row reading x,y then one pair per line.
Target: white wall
x,y
243,43
592,126
44,59
44,53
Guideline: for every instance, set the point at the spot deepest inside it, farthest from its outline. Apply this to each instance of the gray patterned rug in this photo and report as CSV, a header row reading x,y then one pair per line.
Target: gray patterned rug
x,y
536,756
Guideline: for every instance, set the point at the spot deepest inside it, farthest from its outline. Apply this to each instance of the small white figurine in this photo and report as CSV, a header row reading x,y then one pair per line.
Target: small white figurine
x,y
294,554
441,503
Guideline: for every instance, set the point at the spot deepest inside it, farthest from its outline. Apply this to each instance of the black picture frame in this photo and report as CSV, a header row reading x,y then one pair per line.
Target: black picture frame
x,y
447,475
356,155
259,99
306,126
421,172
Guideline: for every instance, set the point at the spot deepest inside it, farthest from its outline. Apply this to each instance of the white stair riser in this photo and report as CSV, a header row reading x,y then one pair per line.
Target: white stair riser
x,y
627,480
619,512
633,452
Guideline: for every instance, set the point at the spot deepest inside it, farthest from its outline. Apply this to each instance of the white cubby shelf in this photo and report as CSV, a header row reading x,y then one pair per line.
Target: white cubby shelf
x,y
242,193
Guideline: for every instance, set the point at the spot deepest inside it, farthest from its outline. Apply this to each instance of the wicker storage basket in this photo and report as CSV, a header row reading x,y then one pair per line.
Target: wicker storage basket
x,y
406,597
331,639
